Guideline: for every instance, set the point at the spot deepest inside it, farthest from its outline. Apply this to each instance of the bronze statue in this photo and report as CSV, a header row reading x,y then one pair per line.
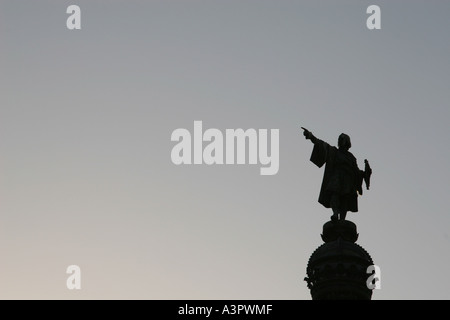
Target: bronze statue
x,y
342,179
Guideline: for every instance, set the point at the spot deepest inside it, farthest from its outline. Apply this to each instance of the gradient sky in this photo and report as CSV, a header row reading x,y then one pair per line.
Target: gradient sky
x,y
86,118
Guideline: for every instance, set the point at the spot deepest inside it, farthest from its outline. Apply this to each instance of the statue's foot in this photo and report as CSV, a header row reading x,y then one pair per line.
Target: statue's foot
x,y
334,217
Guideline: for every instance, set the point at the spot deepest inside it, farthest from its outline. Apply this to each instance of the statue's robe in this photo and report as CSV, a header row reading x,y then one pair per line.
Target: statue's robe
x,y
342,176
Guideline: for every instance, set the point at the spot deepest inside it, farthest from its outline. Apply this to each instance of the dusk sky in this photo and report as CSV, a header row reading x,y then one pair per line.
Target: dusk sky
x,y
86,117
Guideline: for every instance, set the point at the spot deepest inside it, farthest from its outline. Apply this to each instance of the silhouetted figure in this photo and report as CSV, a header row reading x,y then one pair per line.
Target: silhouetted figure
x,y
342,179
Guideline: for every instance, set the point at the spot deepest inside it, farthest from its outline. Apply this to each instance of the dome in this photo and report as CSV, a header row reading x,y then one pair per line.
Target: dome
x,y
338,268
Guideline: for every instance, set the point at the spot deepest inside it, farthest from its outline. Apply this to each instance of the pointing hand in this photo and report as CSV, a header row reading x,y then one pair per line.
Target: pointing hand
x,y
306,133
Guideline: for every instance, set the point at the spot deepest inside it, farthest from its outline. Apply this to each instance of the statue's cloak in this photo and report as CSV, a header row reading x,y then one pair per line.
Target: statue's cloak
x,y
342,176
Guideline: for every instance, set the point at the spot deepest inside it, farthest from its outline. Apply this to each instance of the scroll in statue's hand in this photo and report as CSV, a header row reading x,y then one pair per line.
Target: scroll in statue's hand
x,y
367,173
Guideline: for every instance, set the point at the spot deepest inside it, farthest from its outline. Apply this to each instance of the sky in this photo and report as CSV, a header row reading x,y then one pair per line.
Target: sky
x,y
86,117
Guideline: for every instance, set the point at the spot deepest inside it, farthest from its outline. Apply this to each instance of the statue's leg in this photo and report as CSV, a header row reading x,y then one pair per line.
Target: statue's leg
x,y
335,215
334,202
344,206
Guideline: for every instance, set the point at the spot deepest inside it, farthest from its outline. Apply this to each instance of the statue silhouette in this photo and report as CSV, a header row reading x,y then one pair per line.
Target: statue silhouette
x,y
342,179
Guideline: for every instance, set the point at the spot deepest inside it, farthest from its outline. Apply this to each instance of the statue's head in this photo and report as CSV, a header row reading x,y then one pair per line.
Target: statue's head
x,y
344,142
